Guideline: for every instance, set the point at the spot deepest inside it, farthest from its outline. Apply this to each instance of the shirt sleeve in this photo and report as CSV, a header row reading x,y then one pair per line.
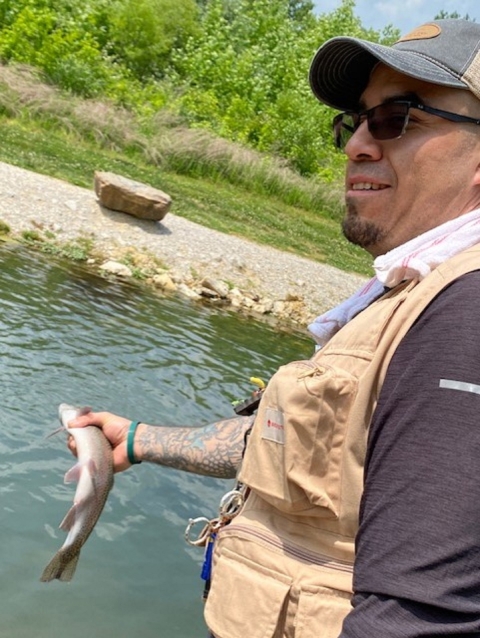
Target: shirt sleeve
x,y
417,568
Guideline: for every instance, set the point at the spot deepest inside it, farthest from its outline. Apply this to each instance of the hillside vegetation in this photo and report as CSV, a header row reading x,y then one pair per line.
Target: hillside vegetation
x,y
208,100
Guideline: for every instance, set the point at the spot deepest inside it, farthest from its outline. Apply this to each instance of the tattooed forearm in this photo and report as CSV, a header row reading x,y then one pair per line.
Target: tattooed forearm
x,y
213,450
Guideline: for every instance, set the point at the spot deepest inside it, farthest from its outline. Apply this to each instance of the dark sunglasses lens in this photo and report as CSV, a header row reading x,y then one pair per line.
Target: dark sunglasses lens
x,y
387,121
344,127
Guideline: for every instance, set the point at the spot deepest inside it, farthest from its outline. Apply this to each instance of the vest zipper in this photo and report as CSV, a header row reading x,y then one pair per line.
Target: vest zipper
x,y
289,548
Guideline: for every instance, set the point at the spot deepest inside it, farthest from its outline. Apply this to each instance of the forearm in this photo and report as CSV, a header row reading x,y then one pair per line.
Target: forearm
x,y
212,450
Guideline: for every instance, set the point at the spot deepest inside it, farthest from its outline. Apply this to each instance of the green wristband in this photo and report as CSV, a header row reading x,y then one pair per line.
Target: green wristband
x,y
130,441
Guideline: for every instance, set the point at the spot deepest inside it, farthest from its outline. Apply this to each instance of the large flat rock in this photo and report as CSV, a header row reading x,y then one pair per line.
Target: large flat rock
x,y
128,196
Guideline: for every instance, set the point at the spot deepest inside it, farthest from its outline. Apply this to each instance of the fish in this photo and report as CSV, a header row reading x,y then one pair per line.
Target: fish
x,y
94,474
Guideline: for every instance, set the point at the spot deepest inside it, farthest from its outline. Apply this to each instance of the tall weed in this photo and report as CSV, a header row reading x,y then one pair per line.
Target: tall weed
x,y
162,138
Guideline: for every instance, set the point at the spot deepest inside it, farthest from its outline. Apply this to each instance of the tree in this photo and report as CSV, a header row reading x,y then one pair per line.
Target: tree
x,y
245,75
143,32
445,15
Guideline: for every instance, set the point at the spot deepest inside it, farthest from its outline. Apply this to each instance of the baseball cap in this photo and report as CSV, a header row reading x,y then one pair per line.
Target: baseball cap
x,y
445,52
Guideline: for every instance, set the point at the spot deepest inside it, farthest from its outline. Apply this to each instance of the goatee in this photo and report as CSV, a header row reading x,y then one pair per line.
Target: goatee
x,y
359,231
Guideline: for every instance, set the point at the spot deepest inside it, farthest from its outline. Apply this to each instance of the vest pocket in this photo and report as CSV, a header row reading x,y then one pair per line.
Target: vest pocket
x,y
294,456
245,600
321,612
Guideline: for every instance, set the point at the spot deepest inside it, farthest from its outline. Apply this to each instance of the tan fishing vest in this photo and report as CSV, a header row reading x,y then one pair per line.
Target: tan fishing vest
x,y
283,567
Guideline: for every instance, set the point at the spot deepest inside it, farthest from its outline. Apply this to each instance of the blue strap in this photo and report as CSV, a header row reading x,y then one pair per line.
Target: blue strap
x,y
207,558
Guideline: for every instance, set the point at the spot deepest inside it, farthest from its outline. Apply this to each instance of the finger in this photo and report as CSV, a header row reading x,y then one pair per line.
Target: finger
x,y
90,418
72,445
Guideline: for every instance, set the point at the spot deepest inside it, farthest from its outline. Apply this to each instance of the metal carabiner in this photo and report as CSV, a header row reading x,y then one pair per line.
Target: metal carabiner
x,y
202,537
230,504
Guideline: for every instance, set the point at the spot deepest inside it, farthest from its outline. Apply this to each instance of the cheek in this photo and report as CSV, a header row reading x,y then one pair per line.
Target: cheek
x,y
453,155
431,169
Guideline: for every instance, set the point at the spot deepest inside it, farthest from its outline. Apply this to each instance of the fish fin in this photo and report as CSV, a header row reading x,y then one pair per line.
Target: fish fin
x,y
69,569
57,568
56,431
73,474
69,519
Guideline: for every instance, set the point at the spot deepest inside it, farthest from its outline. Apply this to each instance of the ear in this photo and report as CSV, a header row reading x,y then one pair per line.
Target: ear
x,y
476,175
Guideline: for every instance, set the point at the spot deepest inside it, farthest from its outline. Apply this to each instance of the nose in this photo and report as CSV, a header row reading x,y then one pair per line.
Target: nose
x,y
362,146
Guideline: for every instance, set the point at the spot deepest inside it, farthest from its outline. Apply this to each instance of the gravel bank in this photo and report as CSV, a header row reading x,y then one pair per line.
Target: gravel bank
x,y
190,252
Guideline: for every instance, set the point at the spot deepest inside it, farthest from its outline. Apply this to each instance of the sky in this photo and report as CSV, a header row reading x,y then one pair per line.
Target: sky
x,y
403,14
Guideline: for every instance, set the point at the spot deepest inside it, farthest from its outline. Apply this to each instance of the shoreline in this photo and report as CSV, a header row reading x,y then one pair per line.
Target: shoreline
x,y
174,256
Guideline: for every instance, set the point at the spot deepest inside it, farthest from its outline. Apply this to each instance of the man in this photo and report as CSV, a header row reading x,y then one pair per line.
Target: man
x,y
376,439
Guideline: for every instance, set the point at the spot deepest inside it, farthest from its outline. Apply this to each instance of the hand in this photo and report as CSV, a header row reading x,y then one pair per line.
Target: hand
x,y
114,427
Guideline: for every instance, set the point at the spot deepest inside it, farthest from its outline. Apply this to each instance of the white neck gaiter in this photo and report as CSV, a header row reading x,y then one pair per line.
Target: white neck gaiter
x,y
412,260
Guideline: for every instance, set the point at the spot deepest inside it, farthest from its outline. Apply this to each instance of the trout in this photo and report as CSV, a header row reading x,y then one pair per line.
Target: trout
x,y
94,474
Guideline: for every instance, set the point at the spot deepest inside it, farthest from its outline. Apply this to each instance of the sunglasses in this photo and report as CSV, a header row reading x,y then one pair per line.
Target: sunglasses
x,y
386,121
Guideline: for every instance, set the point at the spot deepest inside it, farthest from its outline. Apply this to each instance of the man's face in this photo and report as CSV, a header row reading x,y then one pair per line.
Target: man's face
x,y
397,189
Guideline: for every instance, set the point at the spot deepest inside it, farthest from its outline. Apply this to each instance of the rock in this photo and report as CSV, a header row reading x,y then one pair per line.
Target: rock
x,y
164,282
265,307
247,302
291,296
128,196
116,268
220,288
237,262
188,292
208,293
278,307
71,205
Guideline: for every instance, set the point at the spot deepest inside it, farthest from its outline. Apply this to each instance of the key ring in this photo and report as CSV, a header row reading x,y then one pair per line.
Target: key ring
x,y
230,504
202,537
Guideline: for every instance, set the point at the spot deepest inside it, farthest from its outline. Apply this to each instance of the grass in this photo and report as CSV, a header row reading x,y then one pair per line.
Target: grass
x,y
43,132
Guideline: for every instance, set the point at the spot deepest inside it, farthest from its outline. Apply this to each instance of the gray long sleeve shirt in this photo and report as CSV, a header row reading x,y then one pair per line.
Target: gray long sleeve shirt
x,y
417,569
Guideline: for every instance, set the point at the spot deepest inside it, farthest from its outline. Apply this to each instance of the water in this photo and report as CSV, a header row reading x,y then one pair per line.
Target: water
x,y
68,336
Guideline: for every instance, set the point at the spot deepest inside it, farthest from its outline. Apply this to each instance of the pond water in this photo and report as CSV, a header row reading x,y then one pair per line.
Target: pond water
x,y
69,336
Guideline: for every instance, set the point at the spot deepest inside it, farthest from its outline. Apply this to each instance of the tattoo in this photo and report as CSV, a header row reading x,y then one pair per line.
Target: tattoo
x,y
212,450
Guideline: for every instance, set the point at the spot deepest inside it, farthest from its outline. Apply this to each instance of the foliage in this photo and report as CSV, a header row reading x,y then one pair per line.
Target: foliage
x,y
4,228
236,67
454,15
59,44
244,75
214,204
144,32
76,250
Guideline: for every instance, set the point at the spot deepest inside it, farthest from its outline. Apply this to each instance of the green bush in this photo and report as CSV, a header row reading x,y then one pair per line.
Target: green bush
x,y
238,68
245,75
143,33
69,56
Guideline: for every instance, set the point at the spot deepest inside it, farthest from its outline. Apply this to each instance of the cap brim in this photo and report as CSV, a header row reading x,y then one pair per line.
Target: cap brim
x,y
341,69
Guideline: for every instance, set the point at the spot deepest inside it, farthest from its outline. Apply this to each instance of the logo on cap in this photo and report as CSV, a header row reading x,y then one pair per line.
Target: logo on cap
x,y
424,32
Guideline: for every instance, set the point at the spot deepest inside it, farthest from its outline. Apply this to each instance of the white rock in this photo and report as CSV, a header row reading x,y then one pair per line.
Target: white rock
x,y
220,288
116,268
188,292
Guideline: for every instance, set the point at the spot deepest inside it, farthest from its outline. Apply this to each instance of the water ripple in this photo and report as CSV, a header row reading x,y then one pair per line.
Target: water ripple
x,y
69,336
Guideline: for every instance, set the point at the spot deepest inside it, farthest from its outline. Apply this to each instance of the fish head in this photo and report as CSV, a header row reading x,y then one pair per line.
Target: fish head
x,y
68,412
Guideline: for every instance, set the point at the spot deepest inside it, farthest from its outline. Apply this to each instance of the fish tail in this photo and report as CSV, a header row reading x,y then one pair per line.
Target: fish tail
x,y
61,567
